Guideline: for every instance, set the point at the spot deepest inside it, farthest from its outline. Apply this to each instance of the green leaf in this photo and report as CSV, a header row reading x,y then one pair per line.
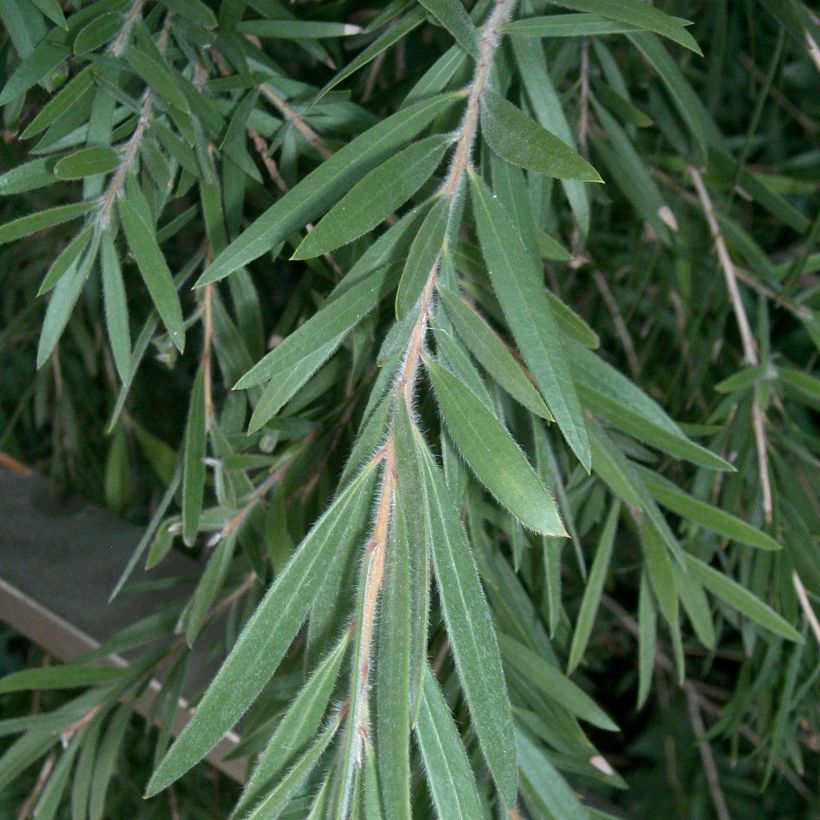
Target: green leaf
x,y
275,803
297,357
519,289
491,452
659,568
193,460
45,58
155,273
546,792
410,516
67,257
741,599
453,16
98,32
105,760
86,162
470,629
27,176
392,694
40,221
638,14
297,29
60,104
422,256
116,307
448,771
299,724
194,10
158,77
594,588
64,676
517,138
323,186
708,516
267,635
52,10
553,683
566,25
375,197
492,354
647,635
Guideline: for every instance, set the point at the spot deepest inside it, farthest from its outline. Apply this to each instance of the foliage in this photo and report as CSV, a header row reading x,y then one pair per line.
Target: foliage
x,y
333,296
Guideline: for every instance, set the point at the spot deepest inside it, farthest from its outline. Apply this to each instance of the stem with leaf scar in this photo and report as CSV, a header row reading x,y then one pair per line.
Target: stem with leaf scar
x,y
403,390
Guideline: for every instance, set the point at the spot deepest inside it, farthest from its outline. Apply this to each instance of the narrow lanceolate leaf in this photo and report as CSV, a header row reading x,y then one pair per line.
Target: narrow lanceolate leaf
x,y
193,465
492,354
392,694
519,289
52,10
375,197
638,14
66,676
453,16
446,765
276,802
741,599
158,77
325,185
647,634
267,635
67,257
517,138
566,25
659,568
116,307
297,357
99,159
297,727
410,501
155,273
297,29
493,454
422,256
470,629
554,683
593,590
27,225
546,792
712,518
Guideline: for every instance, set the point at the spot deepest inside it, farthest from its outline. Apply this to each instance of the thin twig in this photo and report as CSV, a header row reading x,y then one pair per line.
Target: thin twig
x,y
618,321
750,356
806,606
709,766
42,778
121,41
296,119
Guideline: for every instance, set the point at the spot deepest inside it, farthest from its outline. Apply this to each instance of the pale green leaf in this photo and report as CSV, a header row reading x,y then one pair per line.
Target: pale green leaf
x,y
267,635
375,197
517,138
27,225
193,460
98,159
453,16
470,629
493,455
521,293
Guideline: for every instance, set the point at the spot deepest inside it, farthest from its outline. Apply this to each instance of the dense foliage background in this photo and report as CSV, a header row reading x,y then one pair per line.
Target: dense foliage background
x,y
349,212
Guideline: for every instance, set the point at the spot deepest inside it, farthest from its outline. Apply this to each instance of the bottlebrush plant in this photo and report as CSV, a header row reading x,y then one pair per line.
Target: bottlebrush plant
x,y
469,349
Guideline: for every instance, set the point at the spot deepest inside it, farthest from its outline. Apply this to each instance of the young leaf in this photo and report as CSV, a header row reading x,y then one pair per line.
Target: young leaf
x,y
155,273
375,197
493,455
517,138
267,635
470,630
521,293
446,765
